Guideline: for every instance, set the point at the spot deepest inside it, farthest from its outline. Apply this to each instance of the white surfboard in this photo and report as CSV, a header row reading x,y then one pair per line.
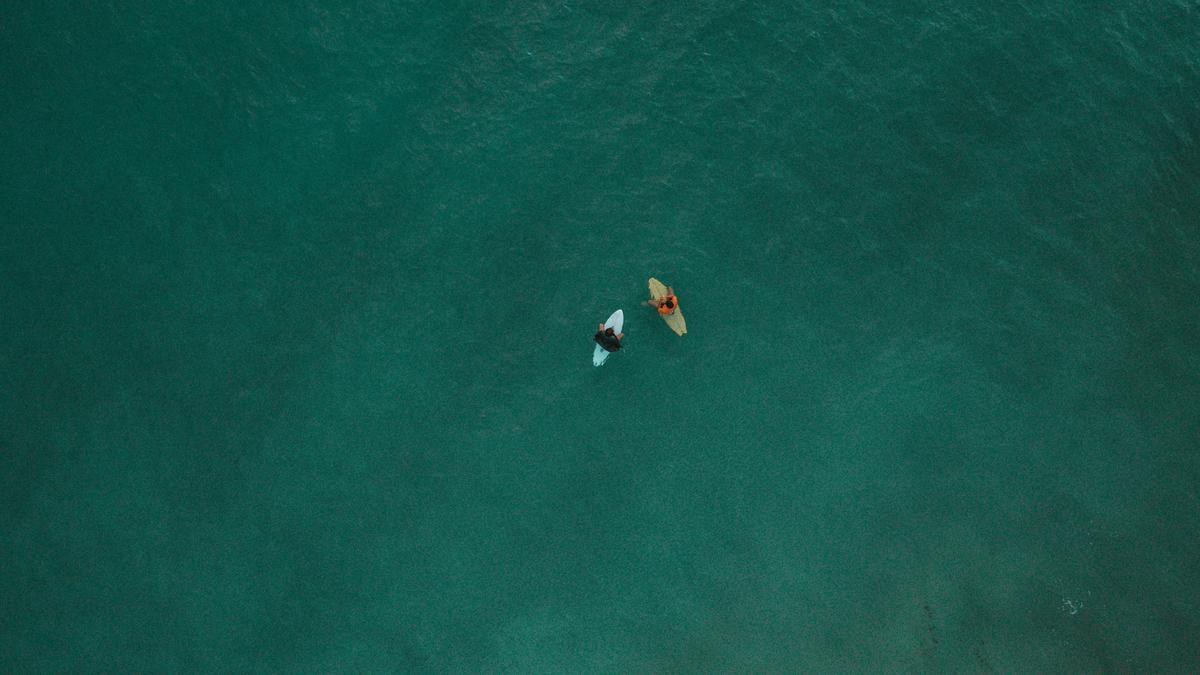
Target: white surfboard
x,y
615,322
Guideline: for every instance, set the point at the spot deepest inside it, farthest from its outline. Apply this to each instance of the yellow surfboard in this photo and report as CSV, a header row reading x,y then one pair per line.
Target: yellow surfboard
x,y
674,319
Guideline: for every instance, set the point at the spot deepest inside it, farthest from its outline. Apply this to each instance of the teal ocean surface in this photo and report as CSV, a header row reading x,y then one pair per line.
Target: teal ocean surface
x,y
296,306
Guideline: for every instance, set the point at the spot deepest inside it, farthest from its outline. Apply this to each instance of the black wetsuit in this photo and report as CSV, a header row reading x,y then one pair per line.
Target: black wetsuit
x,y
607,340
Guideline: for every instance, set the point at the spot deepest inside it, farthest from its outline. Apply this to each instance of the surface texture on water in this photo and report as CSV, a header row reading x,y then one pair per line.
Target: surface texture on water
x,y
294,366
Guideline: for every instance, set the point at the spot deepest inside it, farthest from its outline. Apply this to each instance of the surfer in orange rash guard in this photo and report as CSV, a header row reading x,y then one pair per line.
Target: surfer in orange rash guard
x,y
666,305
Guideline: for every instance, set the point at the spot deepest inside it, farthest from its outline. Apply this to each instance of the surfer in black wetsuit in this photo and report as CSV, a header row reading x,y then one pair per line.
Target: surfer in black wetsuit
x,y
607,339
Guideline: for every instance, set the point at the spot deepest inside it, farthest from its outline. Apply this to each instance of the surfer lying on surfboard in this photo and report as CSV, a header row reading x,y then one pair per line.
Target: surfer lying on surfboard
x,y
663,300
667,304
608,339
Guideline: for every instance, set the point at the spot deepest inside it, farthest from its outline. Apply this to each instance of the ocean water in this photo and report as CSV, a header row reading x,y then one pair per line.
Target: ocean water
x,y
295,314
